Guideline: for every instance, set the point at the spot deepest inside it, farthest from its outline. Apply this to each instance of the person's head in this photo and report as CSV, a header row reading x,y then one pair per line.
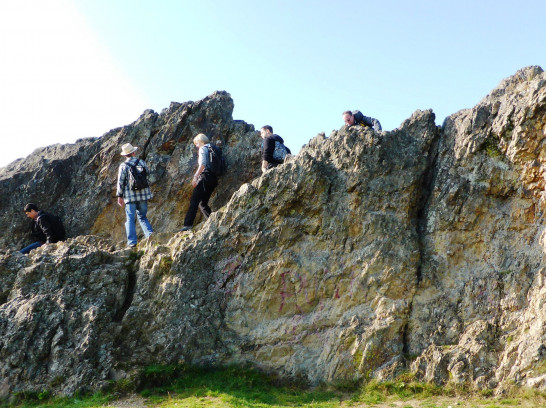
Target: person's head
x,y
200,140
128,149
348,118
31,211
266,131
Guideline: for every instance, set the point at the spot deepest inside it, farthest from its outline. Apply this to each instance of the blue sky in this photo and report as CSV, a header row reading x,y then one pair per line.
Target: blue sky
x,y
83,67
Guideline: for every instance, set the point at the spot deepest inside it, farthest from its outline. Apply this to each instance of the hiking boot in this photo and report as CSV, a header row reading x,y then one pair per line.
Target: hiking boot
x,y
185,228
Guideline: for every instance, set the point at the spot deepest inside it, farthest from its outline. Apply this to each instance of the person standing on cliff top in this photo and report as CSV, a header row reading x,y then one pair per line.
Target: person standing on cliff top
x,y
273,149
133,192
357,118
46,228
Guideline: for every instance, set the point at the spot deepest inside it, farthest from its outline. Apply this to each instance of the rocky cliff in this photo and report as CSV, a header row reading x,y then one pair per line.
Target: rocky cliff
x,y
367,254
78,181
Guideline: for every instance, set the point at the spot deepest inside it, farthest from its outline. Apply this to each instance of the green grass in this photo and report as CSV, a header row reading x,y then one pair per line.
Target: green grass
x,y
228,387
37,400
177,386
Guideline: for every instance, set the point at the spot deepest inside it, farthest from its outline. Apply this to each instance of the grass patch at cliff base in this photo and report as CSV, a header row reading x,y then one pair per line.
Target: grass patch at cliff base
x,y
186,386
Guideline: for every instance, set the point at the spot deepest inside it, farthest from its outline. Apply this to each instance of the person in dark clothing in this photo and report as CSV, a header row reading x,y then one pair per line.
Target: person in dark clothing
x,y
357,118
268,148
44,228
204,182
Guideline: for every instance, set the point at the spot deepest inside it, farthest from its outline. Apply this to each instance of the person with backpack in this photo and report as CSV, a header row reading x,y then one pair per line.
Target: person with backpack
x,y
211,165
133,192
46,228
357,118
273,149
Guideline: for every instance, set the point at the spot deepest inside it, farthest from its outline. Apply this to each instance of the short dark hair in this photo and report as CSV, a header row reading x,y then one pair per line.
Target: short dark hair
x,y
347,112
267,127
29,207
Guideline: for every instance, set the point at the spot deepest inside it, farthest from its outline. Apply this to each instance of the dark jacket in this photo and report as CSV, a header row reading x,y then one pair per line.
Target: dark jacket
x,y
43,229
269,147
362,120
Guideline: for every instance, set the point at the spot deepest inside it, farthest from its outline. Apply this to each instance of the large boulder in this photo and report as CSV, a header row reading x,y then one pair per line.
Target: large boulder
x,y
366,254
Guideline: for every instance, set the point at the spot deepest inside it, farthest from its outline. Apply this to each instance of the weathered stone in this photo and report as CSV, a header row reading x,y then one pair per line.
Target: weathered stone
x,y
56,324
78,181
483,257
366,254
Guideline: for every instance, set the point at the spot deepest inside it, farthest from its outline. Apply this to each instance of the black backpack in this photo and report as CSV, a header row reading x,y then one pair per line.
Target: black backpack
x,y
217,161
280,151
137,176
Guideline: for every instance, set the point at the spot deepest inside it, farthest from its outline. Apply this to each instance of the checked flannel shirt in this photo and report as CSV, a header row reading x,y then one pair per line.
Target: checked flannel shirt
x,y
123,190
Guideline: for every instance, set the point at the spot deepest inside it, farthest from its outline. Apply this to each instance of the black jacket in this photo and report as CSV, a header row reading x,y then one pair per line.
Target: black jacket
x,y
269,148
362,120
42,229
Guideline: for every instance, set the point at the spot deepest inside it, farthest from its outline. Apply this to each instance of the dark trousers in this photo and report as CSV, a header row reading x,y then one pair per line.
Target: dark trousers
x,y
200,198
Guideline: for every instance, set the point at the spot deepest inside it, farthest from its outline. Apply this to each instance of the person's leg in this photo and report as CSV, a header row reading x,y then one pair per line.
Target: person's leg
x,y
29,248
142,210
209,187
196,198
130,228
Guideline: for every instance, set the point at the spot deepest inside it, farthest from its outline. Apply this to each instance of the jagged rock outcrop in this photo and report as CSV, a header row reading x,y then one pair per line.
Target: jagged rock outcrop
x,y
366,254
477,316
59,316
77,181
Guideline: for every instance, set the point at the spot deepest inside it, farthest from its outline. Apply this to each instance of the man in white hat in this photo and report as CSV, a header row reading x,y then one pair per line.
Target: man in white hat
x,y
133,192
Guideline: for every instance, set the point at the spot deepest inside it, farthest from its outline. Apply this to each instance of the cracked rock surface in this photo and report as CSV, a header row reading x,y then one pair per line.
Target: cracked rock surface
x,y
367,254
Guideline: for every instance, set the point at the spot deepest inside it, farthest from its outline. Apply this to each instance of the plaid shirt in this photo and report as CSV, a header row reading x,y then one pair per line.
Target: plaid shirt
x,y
123,190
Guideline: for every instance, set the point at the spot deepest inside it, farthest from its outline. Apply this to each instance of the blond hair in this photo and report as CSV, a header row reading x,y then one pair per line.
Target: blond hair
x,y
201,137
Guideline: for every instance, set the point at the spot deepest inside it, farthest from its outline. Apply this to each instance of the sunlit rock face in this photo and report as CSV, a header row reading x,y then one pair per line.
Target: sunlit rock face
x,y
367,254
325,253
477,316
78,181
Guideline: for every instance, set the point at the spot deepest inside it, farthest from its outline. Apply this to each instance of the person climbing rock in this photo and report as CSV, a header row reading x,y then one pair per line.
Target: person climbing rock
x,y
46,228
357,118
273,149
204,182
133,193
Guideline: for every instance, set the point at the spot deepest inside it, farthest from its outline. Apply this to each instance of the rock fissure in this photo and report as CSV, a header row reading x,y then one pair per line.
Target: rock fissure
x,y
129,292
150,137
421,219
426,190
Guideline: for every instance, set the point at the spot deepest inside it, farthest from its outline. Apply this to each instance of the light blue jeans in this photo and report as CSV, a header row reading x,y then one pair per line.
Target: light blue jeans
x,y
138,208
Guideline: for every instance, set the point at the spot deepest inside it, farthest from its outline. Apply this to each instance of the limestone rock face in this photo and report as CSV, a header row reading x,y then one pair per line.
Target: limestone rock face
x,y
78,181
475,309
325,254
59,315
476,315
367,254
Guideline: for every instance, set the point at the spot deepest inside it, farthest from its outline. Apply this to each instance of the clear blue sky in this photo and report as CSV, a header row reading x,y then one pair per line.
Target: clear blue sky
x,y
296,65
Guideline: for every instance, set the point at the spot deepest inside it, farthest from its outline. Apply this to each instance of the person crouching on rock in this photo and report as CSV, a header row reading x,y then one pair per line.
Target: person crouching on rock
x,y
357,118
46,228
204,182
